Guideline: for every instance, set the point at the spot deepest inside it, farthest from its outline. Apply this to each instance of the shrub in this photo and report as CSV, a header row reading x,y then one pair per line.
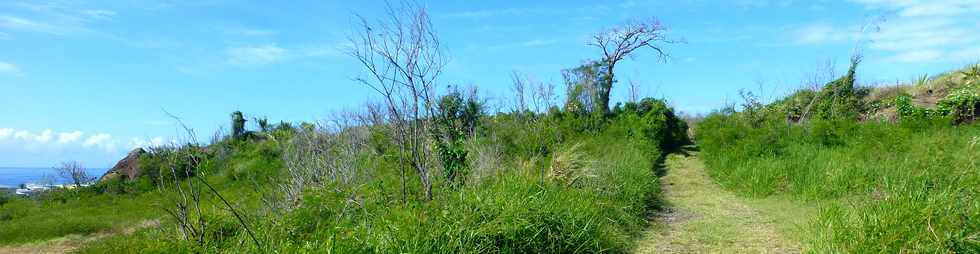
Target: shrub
x,y
841,98
961,105
456,119
4,198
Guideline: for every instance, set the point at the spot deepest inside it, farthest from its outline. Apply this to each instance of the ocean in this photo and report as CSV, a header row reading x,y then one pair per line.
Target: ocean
x,y
13,177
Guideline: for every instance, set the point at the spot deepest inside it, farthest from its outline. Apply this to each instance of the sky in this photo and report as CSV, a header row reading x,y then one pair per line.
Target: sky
x,y
90,80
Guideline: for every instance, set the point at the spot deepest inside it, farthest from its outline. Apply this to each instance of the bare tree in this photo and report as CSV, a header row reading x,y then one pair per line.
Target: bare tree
x,y
325,156
634,93
73,171
543,96
187,194
403,59
519,87
620,42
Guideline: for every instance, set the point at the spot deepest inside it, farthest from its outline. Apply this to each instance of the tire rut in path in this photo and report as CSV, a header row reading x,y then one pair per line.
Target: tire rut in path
x,y
703,218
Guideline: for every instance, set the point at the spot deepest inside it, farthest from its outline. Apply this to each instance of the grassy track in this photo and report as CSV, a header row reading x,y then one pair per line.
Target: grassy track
x,y
703,218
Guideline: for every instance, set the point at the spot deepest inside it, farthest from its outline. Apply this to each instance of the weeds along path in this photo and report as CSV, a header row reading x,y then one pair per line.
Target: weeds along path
x,y
701,217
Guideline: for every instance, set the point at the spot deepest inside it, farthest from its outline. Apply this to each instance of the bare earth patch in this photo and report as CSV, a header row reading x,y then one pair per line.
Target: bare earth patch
x,y
703,218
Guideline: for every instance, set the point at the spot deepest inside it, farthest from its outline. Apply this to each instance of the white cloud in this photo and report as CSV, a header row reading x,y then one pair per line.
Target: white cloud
x,y
68,137
6,67
100,139
6,132
25,135
49,139
54,17
920,31
257,55
141,143
44,137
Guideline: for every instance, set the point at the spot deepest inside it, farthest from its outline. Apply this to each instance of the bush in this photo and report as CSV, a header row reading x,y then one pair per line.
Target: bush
x,y
961,105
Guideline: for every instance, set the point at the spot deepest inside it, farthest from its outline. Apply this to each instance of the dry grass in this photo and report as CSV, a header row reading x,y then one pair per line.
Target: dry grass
x,y
568,165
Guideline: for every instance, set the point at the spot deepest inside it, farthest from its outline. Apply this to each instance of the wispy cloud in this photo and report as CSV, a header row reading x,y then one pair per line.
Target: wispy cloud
x,y
8,68
916,31
25,24
255,55
260,55
5,133
924,8
56,18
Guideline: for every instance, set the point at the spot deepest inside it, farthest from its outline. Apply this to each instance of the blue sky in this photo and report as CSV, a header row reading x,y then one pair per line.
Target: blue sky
x,y
89,80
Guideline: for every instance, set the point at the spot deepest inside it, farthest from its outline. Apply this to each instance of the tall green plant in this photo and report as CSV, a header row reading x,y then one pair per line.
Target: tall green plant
x,y
237,124
839,98
456,118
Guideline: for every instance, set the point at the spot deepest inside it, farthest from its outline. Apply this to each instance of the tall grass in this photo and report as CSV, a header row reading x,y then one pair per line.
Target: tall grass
x,y
909,187
517,210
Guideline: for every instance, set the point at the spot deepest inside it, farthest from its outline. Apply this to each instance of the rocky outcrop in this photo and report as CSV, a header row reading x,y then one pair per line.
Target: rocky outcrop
x,y
128,168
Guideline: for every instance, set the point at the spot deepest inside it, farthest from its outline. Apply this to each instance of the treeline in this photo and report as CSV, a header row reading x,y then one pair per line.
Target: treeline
x,y
896,165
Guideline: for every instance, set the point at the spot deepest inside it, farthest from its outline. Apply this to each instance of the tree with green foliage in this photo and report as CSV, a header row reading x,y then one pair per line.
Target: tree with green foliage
x,y
456,118
583,84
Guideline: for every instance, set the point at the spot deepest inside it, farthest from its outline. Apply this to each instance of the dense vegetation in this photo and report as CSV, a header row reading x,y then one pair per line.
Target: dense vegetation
x,y
560,192
901,183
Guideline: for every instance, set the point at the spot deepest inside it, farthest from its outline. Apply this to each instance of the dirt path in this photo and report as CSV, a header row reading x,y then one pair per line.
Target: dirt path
x,y
703,218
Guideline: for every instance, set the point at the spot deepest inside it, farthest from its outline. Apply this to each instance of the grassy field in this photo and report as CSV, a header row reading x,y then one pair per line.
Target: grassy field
x,y
905,186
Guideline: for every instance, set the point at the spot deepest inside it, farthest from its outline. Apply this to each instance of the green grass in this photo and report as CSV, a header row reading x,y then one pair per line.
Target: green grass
x,y
85,213
889,187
